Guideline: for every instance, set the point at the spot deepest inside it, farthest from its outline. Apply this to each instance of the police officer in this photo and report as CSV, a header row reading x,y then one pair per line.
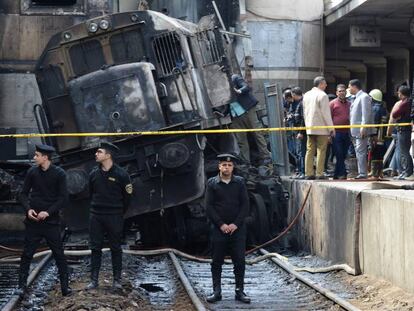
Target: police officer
x,y
44,193
227,205
110,189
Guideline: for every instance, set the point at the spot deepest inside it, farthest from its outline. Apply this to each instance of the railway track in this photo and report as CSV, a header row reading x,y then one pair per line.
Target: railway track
x,y
169,282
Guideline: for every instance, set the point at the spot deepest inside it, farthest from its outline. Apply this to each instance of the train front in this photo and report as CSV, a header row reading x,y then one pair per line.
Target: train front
x,y
132,72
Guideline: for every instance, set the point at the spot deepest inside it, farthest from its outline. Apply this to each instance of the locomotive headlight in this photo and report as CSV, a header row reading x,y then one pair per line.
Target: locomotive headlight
x,y
67,36
93,27
134,18
104,24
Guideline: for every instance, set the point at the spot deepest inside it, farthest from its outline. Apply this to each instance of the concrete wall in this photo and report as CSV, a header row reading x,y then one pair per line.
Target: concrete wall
x,y
385,236
327,225
387,233
285,41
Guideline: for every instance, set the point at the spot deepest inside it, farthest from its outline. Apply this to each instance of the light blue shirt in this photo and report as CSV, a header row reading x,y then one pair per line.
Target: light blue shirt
x,y
236,110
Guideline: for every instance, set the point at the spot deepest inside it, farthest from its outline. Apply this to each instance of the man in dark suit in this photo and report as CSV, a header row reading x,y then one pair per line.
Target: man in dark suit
x,y
43,195
244,117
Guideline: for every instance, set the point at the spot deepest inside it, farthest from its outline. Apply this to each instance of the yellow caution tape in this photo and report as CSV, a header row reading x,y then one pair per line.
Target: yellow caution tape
x,y
185,132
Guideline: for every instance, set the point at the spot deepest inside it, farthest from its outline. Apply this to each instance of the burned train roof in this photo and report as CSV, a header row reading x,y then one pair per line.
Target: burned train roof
x,y
157,21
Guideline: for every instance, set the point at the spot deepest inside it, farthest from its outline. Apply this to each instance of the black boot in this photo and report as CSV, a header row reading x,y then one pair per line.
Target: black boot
x,y
216,295
94,280
64,285
117,269
22,284
117,284
95,267
241,296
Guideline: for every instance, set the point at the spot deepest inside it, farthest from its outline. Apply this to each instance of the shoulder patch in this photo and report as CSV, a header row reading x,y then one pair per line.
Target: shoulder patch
x,y
129,188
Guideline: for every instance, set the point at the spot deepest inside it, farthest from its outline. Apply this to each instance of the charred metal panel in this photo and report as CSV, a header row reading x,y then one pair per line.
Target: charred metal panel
x,y
157,186
214,64
118,99
60,110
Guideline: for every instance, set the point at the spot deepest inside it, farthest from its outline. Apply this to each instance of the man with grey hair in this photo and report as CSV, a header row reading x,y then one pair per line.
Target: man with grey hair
x,y
360,114
316,112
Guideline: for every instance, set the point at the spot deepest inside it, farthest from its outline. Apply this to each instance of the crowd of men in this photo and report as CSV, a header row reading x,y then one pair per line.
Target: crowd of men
x,y
349,108
333,128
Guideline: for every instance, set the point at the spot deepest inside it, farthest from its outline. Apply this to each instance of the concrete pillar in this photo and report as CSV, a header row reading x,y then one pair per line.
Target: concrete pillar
x,y
411,68
286,41
397,74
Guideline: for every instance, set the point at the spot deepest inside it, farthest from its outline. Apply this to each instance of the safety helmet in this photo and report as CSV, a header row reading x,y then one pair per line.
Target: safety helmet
x,y
376,95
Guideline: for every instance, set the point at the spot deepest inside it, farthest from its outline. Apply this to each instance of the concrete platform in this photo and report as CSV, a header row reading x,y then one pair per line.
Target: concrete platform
x,y
364,224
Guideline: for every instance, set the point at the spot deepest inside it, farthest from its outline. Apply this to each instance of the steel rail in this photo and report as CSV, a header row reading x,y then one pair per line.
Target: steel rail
x,y
186,283
326,292
14,300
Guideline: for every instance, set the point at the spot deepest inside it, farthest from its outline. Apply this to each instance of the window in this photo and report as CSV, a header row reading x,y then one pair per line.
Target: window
x,y
54,2
86,57
127,46
53,7
209,47
168,53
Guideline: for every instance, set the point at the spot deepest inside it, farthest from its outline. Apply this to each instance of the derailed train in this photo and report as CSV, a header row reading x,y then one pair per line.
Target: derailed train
x,y
145,71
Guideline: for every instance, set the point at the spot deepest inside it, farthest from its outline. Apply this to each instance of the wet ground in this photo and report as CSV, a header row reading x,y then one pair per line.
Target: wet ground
x,y
364,292
148,284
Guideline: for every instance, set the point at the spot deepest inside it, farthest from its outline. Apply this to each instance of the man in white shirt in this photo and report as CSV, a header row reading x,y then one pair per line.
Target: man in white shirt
x,y
316,112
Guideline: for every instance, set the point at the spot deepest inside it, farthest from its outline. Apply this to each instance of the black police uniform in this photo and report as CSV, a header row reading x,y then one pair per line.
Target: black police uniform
x,y
110,196
227,204
44,191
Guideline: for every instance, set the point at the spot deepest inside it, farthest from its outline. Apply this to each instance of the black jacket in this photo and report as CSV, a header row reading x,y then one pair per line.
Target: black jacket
x,y
44,191
110,191
227,203
245,99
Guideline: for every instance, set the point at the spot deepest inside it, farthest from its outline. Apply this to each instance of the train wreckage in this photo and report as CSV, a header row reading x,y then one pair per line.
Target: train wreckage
x,y
144,71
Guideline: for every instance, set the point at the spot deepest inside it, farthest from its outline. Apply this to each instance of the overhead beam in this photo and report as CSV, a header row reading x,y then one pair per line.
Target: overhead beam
x,y
341,10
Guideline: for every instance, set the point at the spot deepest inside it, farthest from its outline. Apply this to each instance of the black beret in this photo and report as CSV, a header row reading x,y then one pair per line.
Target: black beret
x,y
45,149
111,148
227,157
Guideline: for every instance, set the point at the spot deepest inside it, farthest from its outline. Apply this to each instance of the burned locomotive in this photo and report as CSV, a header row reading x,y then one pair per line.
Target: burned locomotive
x,y
133,72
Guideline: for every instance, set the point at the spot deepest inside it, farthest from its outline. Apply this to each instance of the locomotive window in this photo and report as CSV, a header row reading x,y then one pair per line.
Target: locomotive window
x,y
168,53
54,2
127,46
86,57
209,47
52,82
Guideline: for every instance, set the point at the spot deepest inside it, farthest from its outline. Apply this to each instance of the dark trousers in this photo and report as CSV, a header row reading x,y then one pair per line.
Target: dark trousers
x,y
341,144
112,225
403,145
300,154
34,234
235,246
